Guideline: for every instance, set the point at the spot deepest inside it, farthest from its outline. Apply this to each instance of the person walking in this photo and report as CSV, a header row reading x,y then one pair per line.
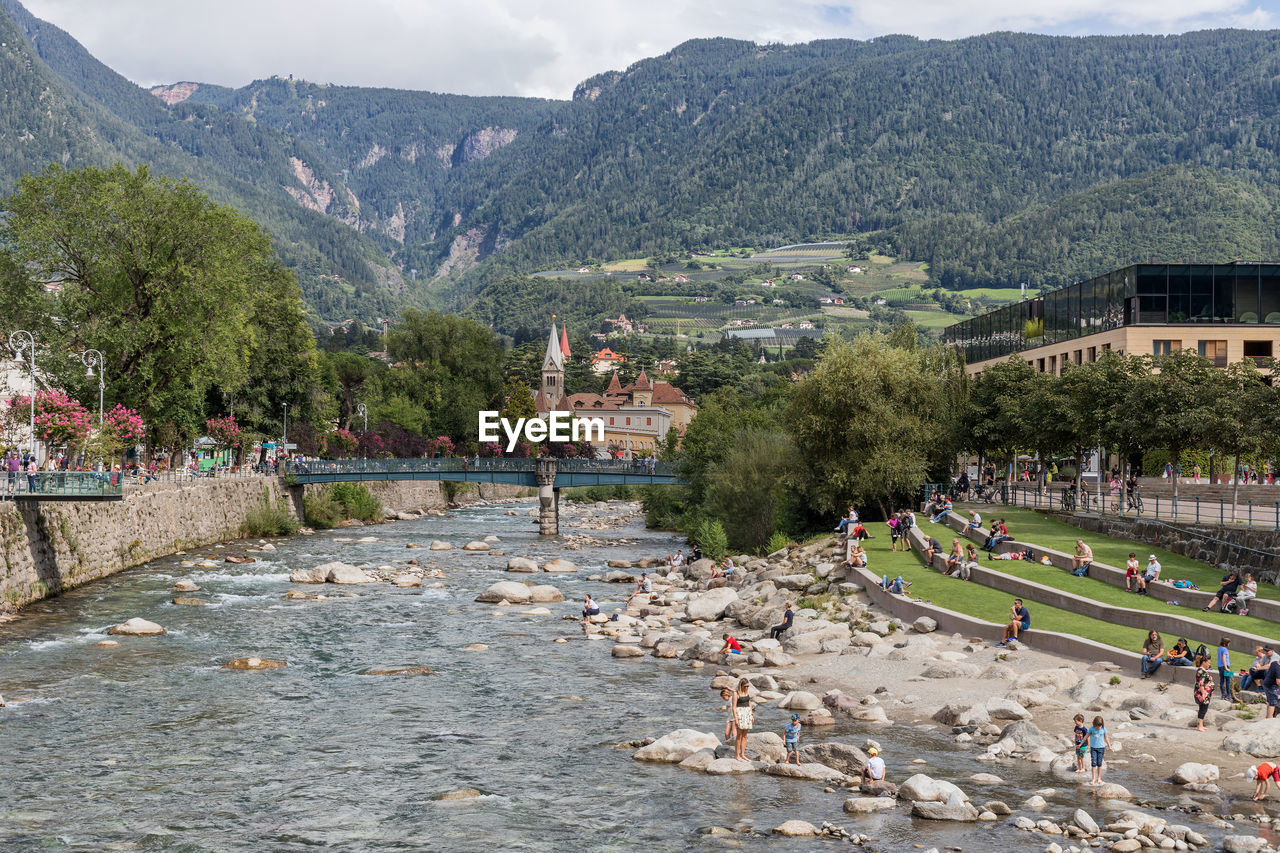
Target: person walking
x,y
1203,690
791,739
894,532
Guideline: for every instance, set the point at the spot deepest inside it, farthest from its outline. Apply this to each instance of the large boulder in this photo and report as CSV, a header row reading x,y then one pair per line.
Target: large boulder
x,y
962,714
710,605
796,829
807,638
1006,709
341,573
949,669
516,593
761,746
922,788
727,767
700,570
925,625
800,700
838,756
1191,773
559,566
316,574
1022,736
676,746
437,545
867,805
545,593
1085,821
1061,677
811,772
521,564
1244,844
944,811
796,582
136,627
476,546
1112,791
1085,691
1260,739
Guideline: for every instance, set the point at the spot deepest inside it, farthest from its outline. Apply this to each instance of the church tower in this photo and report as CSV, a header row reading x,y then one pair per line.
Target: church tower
x,y
553,370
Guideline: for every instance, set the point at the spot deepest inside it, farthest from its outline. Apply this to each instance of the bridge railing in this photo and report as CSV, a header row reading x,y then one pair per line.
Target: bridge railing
x,y
453,464
62,485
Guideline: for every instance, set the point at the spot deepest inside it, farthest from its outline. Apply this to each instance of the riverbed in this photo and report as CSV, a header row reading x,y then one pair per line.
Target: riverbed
x,y
151,745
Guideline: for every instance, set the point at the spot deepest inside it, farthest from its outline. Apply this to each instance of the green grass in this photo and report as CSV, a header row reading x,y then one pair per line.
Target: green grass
x,y
1030,526
1008,294
934,320
983,602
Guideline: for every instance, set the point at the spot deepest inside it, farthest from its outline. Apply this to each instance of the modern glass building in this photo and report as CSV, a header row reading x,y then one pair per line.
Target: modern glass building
x,y
1227,311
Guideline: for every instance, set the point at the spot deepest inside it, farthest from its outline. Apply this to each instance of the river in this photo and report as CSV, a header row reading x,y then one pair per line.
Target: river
x,y
152,746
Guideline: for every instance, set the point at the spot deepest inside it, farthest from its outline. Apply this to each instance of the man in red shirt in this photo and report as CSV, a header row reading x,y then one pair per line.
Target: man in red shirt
x,y
1263,774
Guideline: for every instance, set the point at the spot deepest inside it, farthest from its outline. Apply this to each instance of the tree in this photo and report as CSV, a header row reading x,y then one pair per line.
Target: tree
x,y
746,490
862,424
996,426
1173,398
153,274
1243,419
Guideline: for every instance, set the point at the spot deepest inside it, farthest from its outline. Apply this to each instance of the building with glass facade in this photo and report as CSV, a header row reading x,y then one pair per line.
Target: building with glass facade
x,y
1227,312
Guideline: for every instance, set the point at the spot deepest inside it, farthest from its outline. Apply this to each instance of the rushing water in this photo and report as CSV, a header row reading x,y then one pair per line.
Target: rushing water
x,y
152,746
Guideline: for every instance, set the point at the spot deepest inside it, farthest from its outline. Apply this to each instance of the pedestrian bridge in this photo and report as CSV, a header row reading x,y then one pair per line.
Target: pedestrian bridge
x,y
545,474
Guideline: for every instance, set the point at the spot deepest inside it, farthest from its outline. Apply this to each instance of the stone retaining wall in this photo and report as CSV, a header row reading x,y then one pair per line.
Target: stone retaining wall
x,y
1195,541
48,547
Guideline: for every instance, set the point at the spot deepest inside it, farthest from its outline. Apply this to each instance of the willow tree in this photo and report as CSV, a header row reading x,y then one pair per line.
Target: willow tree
x,y
864,423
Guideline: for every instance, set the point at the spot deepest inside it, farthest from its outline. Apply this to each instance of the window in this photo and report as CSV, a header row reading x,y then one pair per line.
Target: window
x,y
1259,351
1040,364
610,421
1165,347
1093,353
639,402
1077,356
1106,347
1215,351
628,421
648,421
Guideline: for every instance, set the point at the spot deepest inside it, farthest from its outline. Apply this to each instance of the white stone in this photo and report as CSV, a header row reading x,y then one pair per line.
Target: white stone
x,y
137,627
437,545
1190,772
521,564
867,805
710,605
925,625
926,789
516,593
559,566
676,746
341,573
476,546
728,766
316,574
796,829
800,701
1260,739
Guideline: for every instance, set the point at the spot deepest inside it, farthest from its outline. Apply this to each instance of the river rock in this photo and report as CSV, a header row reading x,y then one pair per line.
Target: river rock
x,y
986,779
407,581
676,746
1125,845
816,636
702,759
545,594
1006,709
728,767
925,625
186,586
849,760
811,772
944,811
521,564
1260,739
796,829
1191,772
254,663
476,546
624,651
878,788
962,714
136,627
868,805
619,564
1244,844
618,577
927,789
710,605
952,670
1022,736
460,794
516,593
1112,791
475,647
1085,821
316,574
1035,801
800,700
437,545
188,602
341,573
400,670
760,746
559,566
1061,678
870,714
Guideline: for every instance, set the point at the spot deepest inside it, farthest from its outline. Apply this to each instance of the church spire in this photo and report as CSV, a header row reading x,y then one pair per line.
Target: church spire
x,y
554,359
553,371
564,341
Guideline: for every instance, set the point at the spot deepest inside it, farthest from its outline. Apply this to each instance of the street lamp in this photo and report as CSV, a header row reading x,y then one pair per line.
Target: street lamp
x,y
284,439
22,341
363,411
93,358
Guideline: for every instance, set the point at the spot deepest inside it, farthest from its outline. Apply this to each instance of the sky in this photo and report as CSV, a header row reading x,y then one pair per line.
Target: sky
x,y
544,48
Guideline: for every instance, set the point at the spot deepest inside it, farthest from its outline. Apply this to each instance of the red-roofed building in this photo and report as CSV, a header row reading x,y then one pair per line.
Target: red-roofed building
x,y
606,360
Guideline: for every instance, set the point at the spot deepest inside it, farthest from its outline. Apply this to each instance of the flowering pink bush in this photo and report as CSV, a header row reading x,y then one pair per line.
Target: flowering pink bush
x,y
60,420
441,445
124,425
224,430
341,442
491,448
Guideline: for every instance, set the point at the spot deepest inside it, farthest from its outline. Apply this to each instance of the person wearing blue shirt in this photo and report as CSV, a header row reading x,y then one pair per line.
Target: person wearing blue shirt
x,y
1099,743
791,739
1224,668
1019,622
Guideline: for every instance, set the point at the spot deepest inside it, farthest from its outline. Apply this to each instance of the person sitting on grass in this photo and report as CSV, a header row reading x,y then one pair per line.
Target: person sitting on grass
x,y
1150,576
1230,584
1080,562
897,586
1180,654
953,559
1020,622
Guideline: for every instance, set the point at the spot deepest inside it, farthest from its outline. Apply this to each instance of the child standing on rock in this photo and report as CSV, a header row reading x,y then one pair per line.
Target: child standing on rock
x,y
1099,743
730,725
791,739
1082,743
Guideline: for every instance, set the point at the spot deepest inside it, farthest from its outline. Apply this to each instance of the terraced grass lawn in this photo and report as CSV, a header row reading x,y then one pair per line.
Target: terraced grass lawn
x,y
1030,526
974,599
935,320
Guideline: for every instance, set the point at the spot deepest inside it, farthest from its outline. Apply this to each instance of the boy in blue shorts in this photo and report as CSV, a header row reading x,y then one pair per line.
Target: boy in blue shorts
x,y
791,739
1082,743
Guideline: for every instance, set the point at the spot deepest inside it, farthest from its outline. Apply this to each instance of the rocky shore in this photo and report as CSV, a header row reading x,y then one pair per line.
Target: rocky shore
x,y
844,659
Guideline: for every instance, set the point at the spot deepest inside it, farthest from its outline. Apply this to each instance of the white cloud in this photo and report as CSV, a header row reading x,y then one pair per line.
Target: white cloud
x,y
542,47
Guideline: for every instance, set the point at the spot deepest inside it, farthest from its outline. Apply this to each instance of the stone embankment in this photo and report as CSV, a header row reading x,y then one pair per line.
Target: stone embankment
x,y
1003,706
48,547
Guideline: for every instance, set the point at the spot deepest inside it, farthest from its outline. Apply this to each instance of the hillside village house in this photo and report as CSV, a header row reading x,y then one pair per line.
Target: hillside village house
x,y
606,360
637,417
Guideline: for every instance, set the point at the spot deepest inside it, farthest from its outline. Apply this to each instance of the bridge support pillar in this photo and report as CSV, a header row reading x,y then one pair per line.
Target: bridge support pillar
x,y
548,497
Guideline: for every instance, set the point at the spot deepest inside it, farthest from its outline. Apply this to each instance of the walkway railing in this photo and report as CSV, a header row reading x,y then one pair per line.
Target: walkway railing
x,y
63,485
1262,514
492,464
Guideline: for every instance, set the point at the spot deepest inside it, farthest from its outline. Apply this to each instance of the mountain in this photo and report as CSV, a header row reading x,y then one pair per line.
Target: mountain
x,y
997,159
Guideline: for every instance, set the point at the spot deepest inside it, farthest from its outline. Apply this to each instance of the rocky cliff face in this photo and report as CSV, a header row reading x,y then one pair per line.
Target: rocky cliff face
x,y
482,143
176,93
317,194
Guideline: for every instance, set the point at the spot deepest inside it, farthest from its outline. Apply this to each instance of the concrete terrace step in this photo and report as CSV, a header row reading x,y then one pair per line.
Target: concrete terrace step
x,y
1164,590
1166,623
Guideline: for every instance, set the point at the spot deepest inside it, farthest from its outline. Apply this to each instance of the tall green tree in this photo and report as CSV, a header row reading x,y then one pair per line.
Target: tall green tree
x,y
997,428
746,486
1173,398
